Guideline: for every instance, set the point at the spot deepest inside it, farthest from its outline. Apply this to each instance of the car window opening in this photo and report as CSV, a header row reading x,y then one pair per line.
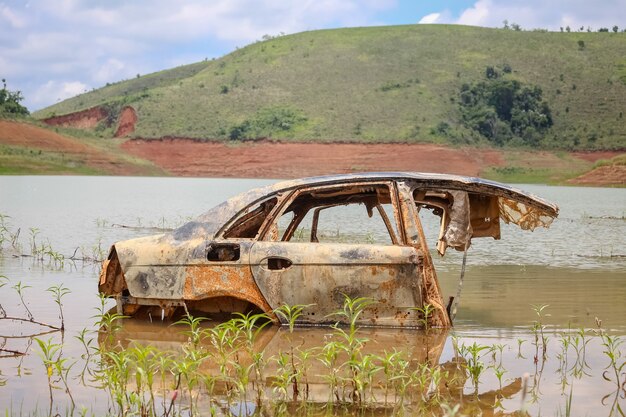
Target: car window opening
x,y
223,252
249,223
361,214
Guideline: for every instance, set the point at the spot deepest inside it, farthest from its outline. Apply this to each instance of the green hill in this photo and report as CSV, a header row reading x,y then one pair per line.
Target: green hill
x,y
398,83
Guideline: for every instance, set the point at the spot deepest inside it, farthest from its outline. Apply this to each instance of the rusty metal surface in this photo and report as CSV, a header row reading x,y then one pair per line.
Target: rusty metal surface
x,y
215,220
235,280
197,264
430,291
320,274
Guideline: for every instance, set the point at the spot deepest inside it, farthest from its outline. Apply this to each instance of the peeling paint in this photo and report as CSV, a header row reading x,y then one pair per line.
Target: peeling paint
x,y
232,258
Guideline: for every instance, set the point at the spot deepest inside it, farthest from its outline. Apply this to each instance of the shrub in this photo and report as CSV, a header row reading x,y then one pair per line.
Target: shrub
x,y
501,110
442,129
10,101
491,72
267,122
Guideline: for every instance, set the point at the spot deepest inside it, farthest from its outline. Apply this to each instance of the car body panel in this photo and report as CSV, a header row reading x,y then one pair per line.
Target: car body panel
x,y
322,274
231,258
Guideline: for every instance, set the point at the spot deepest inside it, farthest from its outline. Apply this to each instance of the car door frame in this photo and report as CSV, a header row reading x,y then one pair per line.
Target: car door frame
x,y
397,292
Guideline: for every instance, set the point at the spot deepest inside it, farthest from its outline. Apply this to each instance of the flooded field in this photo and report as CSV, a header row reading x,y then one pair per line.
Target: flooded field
x,y
507,353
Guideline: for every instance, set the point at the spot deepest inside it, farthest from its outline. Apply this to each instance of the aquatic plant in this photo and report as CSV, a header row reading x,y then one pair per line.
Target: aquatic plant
x,y
282,379
221,369
538,330
58,292
426,312
474,365
223,339
329,356
250,325
388,363
195,332
50,354
350,343
19,288
612,351
499,372
291,314
34,251
3,281
107,322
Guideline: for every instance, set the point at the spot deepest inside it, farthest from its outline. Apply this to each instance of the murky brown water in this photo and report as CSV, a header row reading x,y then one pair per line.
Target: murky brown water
x,y
578,267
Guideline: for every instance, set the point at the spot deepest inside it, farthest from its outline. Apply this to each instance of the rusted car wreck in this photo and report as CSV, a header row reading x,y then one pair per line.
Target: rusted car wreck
x,y
272,246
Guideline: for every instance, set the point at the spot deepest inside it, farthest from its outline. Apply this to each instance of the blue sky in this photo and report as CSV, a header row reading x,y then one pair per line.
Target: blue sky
x,y
54,49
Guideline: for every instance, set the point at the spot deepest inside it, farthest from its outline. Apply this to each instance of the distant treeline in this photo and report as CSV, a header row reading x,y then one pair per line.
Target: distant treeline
x,y
516,27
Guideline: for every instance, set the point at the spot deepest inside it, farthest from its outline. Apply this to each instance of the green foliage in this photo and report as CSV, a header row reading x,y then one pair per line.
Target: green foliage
x,y
396,85
268,122
442,129
502,109
10,102
291,313
425,312
340,78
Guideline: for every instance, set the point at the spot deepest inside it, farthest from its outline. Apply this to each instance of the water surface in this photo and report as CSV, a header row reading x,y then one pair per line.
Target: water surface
x,y
578,267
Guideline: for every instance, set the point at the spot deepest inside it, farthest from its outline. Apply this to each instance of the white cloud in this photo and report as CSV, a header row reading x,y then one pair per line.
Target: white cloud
x,y
54,91
98,42
476,15
16,20
112,70
430,18
551,15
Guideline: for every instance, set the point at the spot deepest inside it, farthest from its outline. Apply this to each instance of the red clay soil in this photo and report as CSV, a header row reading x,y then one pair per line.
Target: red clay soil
x,y
604,175
596,155
127,120
186,157
86,119
33,137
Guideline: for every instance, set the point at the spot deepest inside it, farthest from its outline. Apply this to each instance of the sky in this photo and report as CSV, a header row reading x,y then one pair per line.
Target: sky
x,y
51,50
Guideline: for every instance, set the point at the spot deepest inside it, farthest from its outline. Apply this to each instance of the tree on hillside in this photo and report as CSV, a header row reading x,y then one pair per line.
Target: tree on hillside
x,y
10,101
502,109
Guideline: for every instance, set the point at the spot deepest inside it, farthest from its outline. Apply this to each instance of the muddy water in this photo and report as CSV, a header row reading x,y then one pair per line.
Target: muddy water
x,y
578,267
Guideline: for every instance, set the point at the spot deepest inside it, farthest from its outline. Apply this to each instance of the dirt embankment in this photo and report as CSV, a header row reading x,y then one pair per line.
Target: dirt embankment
x,y
32,137
193,158
24,134
614,174
126,122
85,119
290,160
89,119
604,175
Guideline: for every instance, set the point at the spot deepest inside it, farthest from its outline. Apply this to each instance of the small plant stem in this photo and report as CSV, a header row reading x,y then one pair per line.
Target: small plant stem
x,y
30,321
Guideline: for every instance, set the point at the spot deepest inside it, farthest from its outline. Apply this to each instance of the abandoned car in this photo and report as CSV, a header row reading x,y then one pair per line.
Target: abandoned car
x,y
281,244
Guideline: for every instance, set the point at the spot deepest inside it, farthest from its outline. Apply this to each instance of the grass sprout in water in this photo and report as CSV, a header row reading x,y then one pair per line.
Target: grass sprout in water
x,y
244,366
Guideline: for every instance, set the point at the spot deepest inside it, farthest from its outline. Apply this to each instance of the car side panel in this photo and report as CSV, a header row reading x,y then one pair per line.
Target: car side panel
x,y
322,274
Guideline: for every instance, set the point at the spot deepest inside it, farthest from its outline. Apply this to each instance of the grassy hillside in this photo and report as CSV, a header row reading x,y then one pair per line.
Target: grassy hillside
x,y
397,83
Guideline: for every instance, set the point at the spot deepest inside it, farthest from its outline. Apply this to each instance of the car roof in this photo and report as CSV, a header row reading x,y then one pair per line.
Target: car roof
x,y
215,218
